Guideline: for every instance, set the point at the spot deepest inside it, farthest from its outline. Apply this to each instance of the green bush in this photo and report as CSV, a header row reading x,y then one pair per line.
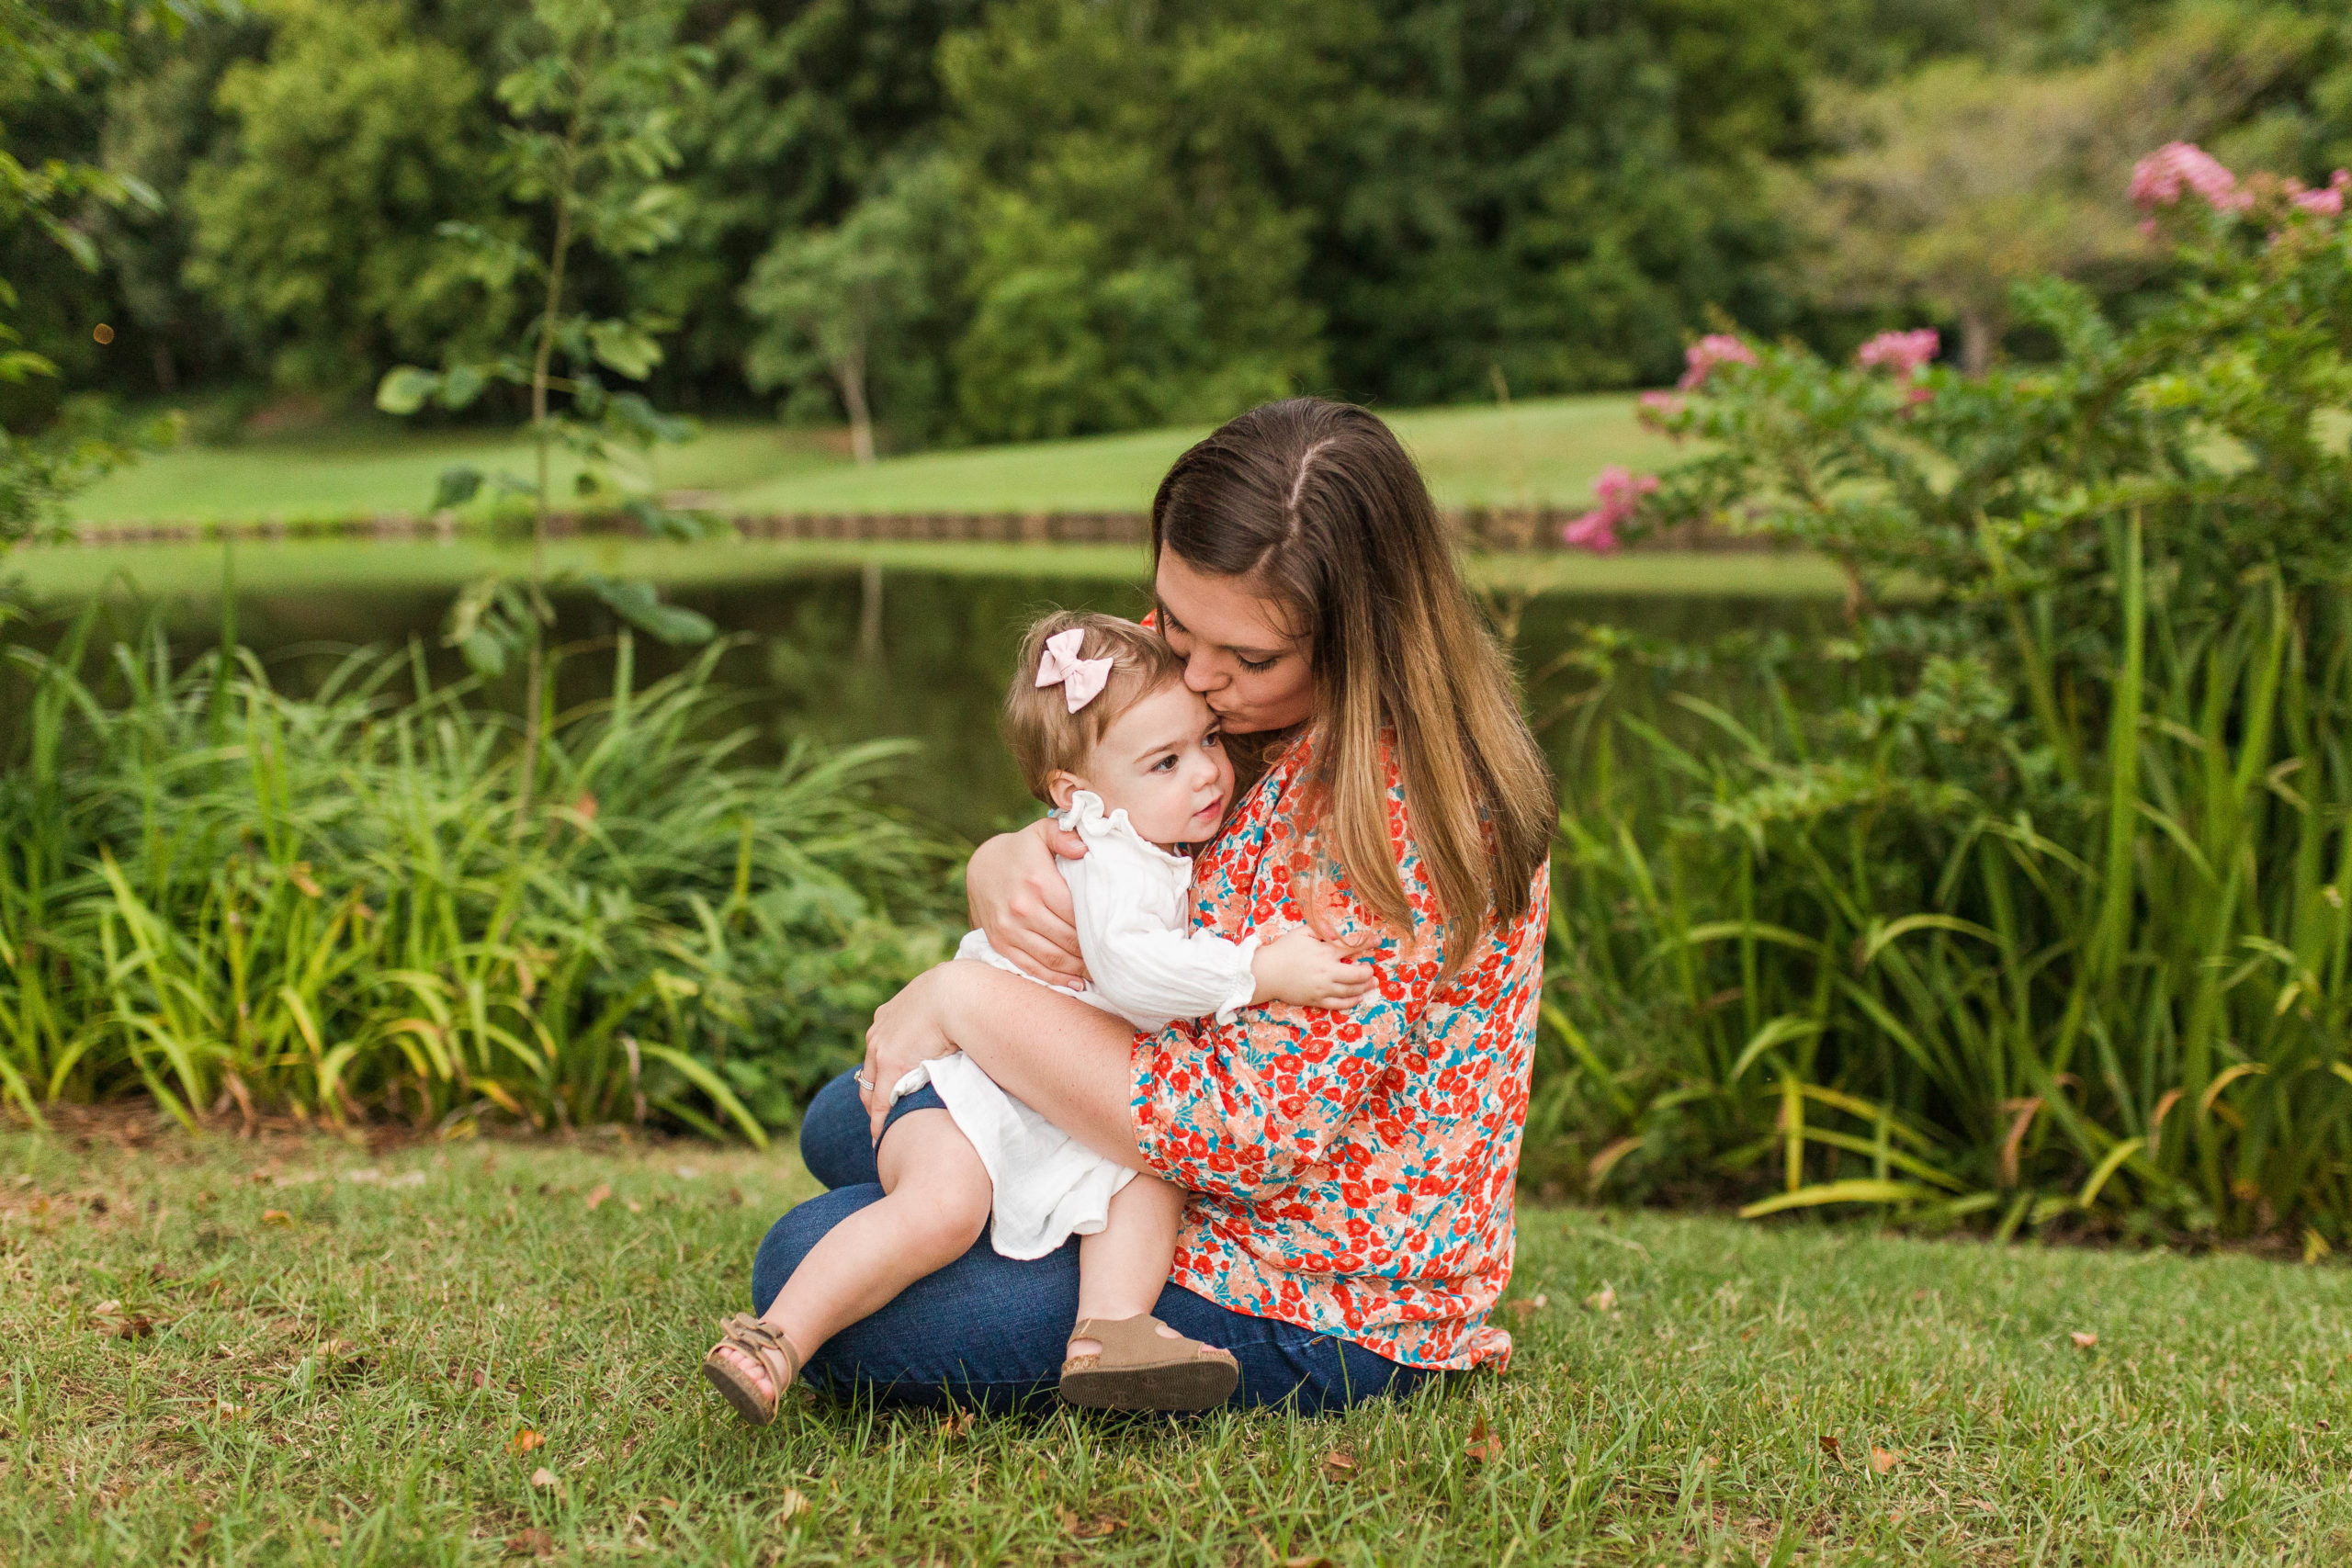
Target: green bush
x,y
2042,919
231,896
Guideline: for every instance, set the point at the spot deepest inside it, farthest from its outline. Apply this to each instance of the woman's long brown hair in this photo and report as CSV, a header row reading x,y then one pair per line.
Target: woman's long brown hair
x,y
1320,508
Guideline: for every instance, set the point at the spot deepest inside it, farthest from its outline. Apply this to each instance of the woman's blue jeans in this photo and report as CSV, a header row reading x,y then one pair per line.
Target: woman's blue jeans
x,y
987,1332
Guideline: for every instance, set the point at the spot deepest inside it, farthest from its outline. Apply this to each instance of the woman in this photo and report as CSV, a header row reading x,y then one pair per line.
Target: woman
x,y
1351,1221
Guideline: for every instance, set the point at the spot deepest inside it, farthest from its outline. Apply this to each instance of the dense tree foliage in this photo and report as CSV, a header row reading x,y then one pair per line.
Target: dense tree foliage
x,y
998,219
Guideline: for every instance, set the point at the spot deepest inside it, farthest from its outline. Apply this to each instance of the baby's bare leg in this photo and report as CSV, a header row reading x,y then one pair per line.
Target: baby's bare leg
x,y
936,1203
1122,1266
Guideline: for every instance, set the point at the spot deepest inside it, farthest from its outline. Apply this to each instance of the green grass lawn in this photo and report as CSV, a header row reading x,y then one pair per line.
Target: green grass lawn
x,y
1542,451
65,574
294,1351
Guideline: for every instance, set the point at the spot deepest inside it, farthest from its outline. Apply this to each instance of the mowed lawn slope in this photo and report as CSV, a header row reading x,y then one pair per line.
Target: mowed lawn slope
x,y
296,1351
1525,454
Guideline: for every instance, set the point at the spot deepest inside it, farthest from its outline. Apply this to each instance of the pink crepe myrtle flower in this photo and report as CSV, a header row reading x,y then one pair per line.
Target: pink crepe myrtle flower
x,y
1902,353
1716,348
2160,179
1595,531
2327,202
1619,490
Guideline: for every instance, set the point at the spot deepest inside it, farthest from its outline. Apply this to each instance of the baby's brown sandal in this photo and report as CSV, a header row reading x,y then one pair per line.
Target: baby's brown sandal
x,y
1140,1368
754,1340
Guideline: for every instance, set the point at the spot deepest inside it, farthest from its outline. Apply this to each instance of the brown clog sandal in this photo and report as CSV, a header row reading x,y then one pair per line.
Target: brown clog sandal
x,y
1141,1368
754,1340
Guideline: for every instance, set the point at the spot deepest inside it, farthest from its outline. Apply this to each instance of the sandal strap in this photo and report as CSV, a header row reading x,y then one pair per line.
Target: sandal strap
x,y
764,1345
1133,1341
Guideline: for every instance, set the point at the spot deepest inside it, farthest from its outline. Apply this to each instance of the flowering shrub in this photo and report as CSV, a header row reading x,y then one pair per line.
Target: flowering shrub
x,y
1701,358
1618,492
2044,919
1902,353
2164,176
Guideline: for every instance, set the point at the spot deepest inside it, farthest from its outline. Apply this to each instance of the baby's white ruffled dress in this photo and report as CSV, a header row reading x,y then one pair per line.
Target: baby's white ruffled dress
x,y
1132,901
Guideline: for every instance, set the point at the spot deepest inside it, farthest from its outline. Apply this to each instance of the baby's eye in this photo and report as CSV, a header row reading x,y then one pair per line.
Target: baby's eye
x,y
1164,763
1212,740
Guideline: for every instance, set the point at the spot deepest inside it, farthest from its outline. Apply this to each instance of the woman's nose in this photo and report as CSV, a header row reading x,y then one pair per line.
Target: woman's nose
x,y
1200,674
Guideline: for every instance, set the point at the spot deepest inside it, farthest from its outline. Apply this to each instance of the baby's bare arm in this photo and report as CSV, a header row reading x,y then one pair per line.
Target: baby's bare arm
x,y
1301,968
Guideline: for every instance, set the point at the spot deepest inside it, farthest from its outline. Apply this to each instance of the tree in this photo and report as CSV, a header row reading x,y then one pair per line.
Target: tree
x,y
1133,261
594,101
1560,192
163,117
315,227
60,49
833,295
810,105
1954,184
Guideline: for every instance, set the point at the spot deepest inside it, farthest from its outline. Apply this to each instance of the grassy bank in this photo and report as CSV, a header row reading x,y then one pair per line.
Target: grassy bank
x,y
1526,454
444,1354
67,574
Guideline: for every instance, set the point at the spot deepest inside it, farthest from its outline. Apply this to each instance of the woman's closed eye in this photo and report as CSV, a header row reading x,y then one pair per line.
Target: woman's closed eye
x,y
1254,665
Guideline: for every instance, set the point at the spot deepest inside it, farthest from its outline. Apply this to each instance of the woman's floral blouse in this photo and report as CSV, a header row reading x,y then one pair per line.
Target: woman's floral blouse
x,y
1352,1171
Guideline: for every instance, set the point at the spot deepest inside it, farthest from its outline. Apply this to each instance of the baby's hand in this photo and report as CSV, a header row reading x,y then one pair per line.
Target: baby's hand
x,y
1301,968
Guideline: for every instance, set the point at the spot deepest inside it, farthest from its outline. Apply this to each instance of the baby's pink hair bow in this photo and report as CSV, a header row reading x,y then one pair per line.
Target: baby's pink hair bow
x,y
1081,680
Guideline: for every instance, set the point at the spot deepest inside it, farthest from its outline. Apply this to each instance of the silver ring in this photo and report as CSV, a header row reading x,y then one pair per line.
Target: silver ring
x,y
862,1080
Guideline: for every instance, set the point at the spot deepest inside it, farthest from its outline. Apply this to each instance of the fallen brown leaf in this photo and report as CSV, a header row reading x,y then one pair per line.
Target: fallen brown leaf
x,y
2083,1341
1341,1463
524,1439
532,1542
1884,1459
1094,1529
633,1205
1485,1445
791,1503
1308,1562
598,1194
1603,1298
958,1424
543,1478
1528,1306
135,1327
275,1217
1830,1446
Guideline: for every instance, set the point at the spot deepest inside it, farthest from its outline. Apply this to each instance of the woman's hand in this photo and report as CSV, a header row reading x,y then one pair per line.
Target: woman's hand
x,y
1021,904
911,1027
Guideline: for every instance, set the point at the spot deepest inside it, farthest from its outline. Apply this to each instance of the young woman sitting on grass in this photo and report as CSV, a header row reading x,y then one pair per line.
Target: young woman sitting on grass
x,y
1348,1224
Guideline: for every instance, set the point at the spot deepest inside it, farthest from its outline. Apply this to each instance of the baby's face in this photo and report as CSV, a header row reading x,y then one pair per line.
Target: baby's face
x,y
1164,762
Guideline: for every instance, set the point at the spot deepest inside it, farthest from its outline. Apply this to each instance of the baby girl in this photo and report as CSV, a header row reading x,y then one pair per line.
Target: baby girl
x,y
1106,733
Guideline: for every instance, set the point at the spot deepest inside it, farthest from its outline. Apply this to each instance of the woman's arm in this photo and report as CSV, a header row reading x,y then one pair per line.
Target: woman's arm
x,y
1022,905
1052,1051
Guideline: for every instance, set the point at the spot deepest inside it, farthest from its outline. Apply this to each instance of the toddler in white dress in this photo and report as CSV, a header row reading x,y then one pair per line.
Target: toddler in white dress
x,y
1106,732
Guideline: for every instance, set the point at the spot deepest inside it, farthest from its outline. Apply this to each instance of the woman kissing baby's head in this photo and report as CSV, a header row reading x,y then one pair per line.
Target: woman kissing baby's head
x,y
1100,704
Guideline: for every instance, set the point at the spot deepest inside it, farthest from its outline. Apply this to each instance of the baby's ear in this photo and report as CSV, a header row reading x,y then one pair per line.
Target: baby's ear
x,y
1060,786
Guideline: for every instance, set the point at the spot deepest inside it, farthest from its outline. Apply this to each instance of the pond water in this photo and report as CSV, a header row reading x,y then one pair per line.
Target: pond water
x,y
846,655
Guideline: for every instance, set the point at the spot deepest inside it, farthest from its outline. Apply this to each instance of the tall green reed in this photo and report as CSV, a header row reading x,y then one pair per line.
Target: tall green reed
x,y
340,904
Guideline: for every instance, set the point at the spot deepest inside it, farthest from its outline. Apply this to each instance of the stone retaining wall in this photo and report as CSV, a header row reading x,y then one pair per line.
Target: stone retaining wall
x,y
1484,529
